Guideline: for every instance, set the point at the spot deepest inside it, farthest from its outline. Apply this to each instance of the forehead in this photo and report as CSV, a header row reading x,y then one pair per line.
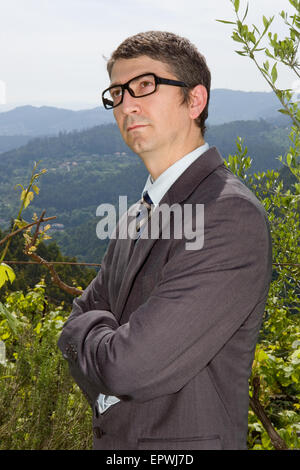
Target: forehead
x,y
125,69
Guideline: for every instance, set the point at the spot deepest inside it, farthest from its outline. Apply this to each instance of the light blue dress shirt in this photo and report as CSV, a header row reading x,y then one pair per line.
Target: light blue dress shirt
x,y
156,190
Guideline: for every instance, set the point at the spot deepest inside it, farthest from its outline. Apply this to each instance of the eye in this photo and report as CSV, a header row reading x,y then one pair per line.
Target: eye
x,y
146,83
116,92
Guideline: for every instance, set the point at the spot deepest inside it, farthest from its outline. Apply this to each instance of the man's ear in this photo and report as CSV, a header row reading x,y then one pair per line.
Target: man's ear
x,y
198,100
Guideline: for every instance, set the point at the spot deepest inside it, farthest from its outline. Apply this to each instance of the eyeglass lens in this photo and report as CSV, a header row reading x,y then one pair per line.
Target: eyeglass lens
x,y
139,86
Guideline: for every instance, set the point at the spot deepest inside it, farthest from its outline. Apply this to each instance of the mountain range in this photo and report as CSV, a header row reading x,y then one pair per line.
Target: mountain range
x,y
20,124
88,163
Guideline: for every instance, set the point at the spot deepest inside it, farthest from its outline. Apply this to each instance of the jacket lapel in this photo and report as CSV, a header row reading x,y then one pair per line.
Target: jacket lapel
x,y
137,251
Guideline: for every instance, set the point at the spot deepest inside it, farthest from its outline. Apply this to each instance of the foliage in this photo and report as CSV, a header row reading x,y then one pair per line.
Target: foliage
x,y
40,406
27,275
33,243
283,51
27,195
49,409
277,356
6,274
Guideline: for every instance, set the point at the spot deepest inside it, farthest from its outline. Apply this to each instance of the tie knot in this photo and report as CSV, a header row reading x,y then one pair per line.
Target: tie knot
x,y
146,200
144,214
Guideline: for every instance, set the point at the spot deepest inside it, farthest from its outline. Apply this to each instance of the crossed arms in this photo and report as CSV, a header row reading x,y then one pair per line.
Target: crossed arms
x,y
201,300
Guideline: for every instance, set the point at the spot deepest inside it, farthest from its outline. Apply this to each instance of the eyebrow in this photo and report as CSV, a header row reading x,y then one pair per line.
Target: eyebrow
x,y
119,84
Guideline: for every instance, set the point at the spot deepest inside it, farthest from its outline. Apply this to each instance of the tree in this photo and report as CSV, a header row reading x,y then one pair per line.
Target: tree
x,y
31,241
274,421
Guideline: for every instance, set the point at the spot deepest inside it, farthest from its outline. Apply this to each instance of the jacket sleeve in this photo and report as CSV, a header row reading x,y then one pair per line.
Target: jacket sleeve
x,y
201,300
94,297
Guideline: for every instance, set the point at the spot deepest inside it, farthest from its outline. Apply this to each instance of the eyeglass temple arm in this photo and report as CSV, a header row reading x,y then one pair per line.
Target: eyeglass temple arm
x,y
166,81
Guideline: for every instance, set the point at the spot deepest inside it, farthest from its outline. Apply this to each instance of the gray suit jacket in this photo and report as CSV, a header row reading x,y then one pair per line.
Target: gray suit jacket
x,y
172,332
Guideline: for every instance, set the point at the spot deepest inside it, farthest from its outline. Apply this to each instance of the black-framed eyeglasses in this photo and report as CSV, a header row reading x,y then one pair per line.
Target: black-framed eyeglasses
x,y
142,85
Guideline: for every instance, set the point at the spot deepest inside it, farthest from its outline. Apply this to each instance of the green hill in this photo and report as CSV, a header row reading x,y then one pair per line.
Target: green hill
x,y
91,167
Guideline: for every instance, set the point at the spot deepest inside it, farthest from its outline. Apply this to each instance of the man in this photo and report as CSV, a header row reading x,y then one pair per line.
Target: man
x,y
162,340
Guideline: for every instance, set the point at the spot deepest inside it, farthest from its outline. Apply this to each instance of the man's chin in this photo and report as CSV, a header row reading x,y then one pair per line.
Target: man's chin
x,y
139,146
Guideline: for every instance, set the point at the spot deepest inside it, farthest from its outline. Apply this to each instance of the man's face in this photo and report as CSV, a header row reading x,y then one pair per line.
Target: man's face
x,y
154,123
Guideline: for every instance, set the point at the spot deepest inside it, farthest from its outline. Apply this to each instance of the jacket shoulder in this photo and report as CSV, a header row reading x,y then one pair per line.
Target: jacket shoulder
x,y
222,184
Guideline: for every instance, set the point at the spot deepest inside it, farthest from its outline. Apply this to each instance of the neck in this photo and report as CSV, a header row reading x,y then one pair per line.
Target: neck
x,y
158,162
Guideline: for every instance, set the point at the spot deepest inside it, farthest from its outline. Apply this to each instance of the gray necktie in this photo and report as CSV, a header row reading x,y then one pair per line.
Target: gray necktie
x,y
145,213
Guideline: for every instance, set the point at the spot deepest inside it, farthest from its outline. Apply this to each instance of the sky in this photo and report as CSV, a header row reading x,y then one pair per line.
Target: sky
x,y
52,52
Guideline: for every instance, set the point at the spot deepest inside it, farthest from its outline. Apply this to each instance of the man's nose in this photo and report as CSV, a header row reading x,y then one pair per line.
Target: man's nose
x,y
130,104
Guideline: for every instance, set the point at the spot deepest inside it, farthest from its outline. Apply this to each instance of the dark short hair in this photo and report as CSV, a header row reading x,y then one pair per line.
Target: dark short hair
x,y
182,57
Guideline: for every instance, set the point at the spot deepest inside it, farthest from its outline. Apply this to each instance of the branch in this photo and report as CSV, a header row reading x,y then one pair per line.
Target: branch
x,y
258,409
54,276
25,227
37,228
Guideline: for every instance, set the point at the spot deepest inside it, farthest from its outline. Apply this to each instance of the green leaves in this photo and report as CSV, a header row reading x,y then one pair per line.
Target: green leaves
x,y
49,410
6,274
12,320
284,51
265,21
277,357
289,159
274,74
225,22
236,5
27,197
36,189
239,163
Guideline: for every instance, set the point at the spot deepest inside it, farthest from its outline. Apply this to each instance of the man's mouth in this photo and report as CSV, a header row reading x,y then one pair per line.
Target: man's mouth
x,y
135,126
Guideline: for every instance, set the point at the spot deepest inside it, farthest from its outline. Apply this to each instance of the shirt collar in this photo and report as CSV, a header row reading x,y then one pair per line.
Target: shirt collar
x,y
158,188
